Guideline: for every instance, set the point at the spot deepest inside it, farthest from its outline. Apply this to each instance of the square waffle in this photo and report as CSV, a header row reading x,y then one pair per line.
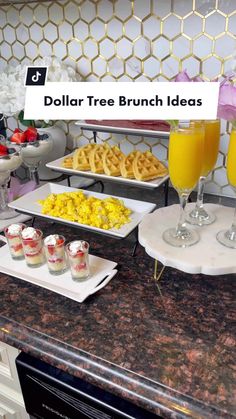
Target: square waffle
x,y
147,167
112,158
81,157
68,162
95,158
126,165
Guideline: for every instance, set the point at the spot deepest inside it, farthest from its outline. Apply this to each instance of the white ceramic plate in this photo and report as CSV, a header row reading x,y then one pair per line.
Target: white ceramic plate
x,y
151,184
102,271
29,204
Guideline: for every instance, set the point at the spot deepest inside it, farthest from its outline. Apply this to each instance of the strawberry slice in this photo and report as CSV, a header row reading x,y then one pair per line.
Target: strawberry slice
x,y
80,253
60,242
3,150
50,249
17,247
18,138
31,134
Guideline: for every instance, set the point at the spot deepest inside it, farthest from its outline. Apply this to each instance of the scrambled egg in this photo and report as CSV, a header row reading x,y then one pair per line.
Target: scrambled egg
x,y
76,206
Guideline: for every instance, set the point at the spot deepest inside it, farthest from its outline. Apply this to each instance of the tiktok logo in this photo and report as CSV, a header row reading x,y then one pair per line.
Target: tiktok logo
x,y
36,76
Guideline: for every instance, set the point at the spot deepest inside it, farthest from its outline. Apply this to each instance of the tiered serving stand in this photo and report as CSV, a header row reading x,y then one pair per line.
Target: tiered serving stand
x,y
206,257
95,128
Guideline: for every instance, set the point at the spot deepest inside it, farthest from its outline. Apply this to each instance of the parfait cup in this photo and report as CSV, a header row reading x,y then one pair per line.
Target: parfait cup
x,y
228,237
55,256
14,240
32,154
8,163
185,163
33,250
78,258
199,216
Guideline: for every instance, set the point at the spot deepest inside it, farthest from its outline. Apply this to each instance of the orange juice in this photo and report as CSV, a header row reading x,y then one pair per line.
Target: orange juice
x,y
231,160
211,146
186,147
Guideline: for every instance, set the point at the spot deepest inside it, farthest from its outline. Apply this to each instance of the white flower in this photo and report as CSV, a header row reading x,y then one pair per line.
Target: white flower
x,y
12,90
57,70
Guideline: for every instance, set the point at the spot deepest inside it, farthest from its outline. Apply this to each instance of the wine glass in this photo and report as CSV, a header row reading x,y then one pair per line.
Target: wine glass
x,y
185,163
228,237
32,153
199,215
9,162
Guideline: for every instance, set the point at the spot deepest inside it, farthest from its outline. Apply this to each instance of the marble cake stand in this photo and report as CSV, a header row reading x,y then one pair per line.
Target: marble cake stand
x,y
207,256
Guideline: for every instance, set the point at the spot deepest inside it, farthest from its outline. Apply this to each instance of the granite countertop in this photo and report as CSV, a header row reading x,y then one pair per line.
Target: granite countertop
x,y
172,355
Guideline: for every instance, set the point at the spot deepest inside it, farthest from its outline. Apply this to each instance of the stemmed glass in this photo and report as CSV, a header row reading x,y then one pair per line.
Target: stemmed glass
x,y
228,237
33,152
185,163
8,163
199,215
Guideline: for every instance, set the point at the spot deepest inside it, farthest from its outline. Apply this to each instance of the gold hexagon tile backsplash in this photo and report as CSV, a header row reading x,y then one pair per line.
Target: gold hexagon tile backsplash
x,y
124,40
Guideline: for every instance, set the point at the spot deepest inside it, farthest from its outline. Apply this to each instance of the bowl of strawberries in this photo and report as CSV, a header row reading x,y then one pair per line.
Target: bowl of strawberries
x,y
33,147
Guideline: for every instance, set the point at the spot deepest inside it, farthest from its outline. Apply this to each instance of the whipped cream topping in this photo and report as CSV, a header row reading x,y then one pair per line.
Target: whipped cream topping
x,y
78,245
14,229
51,240
29,233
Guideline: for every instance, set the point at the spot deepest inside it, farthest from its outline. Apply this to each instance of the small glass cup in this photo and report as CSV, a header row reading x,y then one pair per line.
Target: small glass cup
x,y
79,260
15,242
33,250
55,256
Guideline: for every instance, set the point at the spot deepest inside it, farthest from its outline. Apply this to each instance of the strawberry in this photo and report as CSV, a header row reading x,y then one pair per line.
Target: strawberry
x,y
80,266
60,242
17,247
18,138
50,249
80,253
17,130
31,134
3,150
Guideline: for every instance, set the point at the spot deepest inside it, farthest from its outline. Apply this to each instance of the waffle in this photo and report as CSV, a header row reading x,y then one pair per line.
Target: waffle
x,y
68,162
95,158
146,166
81,157
111,161
126,165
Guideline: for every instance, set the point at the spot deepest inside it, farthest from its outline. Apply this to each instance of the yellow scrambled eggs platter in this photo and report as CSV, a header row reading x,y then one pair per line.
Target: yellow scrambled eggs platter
x,y
94,211
75,206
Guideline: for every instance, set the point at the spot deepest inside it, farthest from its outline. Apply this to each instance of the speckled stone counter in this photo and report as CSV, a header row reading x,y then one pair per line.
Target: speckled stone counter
x,y
171,355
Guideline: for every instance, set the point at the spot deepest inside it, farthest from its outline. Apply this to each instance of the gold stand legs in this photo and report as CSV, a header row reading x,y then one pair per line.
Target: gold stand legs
x,y
157,276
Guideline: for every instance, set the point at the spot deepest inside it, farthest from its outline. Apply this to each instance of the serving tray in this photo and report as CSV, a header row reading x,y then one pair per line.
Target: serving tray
x,y
102,271
207,256
29,204
151,184
116,128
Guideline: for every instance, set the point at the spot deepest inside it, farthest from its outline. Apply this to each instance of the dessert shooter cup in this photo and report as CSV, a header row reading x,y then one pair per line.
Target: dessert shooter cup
x,y
14,240
33,250
55,255
78,258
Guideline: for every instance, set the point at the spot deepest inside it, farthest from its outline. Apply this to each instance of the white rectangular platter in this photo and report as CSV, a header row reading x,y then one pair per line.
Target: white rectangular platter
x,y
151,184
102,271
29,204
122,130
